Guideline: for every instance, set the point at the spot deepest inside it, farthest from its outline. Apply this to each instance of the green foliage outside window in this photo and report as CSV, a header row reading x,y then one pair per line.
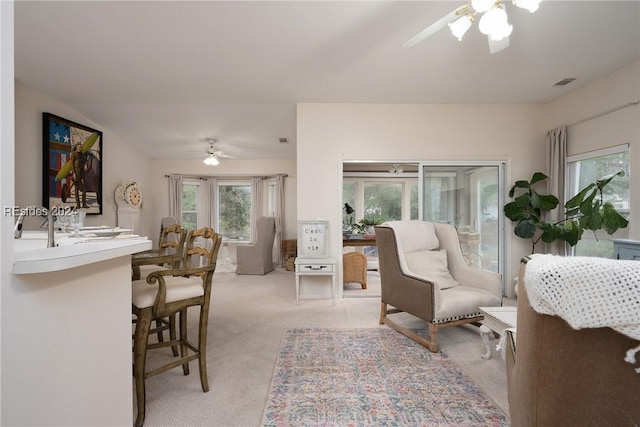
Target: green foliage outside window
x,y
189,206
235,211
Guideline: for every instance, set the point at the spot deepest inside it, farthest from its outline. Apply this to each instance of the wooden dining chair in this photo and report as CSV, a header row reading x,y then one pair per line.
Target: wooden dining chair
x,y
168,254
172,291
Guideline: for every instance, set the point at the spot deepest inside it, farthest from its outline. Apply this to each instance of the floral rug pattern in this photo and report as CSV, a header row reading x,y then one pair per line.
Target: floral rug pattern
x,y
370,377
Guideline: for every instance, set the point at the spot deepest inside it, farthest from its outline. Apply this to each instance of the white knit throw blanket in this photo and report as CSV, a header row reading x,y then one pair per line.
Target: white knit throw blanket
x,y
587,292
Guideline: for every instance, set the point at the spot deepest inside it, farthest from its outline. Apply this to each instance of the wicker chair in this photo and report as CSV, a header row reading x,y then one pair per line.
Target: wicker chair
x,y
354,266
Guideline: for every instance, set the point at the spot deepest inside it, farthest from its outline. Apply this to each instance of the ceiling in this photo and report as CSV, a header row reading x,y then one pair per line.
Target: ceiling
x,y
166,75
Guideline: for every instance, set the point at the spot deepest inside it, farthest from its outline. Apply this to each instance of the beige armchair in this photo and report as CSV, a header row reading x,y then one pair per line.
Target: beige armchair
x,y
560,376
257,258
423,273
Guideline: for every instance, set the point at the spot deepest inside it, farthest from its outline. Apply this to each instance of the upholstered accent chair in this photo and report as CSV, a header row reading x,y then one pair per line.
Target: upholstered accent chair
x,y
560,376
257,258
423,273
172,291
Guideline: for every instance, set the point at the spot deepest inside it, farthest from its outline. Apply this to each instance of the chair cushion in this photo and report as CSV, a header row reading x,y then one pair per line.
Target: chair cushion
x,y
143,295
461,302
431,266
415,236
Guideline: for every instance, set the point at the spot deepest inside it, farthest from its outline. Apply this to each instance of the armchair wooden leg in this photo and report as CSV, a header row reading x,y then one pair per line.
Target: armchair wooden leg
x,y
141,336
383,312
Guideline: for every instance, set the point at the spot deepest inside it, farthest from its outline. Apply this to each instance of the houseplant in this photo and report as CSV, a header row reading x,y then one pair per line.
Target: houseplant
x,y
587,210
365,226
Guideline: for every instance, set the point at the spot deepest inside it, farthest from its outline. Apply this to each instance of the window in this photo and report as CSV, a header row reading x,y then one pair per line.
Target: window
x,y
383,200
234,210
588,167
190,204
233,204
468,195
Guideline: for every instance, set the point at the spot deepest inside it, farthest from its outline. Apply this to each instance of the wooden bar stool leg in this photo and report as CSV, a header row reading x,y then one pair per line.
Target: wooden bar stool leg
x,y
172,334
202,347
143,324
183,339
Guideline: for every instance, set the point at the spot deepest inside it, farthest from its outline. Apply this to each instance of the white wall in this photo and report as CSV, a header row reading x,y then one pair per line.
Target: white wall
x,y
331,133
615,128
265,167
120,160
6,160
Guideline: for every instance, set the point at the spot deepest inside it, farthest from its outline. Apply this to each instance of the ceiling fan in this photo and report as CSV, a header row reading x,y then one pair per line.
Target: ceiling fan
x,y
492,21
213,156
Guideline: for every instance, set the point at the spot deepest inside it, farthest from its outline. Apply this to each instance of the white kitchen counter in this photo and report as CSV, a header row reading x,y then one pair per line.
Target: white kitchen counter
x,y
67,348
30,259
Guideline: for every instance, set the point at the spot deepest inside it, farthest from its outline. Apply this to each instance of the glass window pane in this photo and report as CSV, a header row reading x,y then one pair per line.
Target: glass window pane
x,y
382,201
190,206
585,171
413,187
348,196
467,197
234,211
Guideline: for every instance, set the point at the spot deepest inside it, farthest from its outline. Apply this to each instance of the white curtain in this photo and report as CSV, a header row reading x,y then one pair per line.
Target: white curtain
x,y
212,192
256,204
175,196
556,161
278,185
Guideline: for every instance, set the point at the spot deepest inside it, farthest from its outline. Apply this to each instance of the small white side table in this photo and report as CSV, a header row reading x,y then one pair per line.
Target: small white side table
x,y
496,319
316,267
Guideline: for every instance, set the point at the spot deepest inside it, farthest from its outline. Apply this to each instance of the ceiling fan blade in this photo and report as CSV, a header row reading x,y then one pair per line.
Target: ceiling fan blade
x,y
436,26
498,46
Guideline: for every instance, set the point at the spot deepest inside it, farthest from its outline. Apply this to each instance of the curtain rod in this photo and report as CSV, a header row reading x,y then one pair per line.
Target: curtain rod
x,y
604,113
205,177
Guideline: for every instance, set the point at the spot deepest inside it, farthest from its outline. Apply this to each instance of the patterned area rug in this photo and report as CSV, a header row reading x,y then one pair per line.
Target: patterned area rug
x,y
370,377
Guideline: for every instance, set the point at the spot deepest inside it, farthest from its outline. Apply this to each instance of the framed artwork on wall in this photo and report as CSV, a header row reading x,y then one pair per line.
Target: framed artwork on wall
x,y
314,239
72,165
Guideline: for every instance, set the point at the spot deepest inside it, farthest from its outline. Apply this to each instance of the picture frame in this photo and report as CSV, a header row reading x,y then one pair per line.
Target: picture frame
x,y
314,239
72,165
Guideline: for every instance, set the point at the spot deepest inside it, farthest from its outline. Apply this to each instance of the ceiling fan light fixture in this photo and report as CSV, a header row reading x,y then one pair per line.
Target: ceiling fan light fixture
x,y
502,33
460,26
482,6
530,5
211,160
493,20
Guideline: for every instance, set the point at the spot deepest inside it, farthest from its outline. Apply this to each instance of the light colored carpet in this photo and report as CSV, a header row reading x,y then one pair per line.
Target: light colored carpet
x,y
374,290
249,315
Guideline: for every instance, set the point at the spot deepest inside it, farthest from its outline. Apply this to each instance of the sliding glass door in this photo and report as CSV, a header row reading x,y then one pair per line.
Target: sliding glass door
x,y
468,195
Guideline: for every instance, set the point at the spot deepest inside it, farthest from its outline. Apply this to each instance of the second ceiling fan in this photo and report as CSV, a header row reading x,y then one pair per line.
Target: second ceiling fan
x,y
493,22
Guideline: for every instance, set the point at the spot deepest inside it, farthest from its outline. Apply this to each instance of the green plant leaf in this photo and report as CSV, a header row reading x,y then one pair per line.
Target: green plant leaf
x,y
576,200
602,182
525,229
548,202
612,220
512,211
537,177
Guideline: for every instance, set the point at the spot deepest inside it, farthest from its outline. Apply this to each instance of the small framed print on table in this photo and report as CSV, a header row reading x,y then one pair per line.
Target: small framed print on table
x,y
314,237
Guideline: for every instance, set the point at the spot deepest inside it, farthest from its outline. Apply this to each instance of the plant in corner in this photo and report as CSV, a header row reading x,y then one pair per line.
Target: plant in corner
x,y
587,210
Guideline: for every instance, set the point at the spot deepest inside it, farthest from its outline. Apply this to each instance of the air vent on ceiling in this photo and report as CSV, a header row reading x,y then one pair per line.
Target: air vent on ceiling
x,y
564,81
283,140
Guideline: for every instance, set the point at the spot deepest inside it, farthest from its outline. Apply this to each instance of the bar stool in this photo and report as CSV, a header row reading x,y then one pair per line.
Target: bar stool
x,y
165,293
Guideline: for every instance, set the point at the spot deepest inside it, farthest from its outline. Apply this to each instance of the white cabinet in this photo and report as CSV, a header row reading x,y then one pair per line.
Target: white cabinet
x,y
626,249
316,267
